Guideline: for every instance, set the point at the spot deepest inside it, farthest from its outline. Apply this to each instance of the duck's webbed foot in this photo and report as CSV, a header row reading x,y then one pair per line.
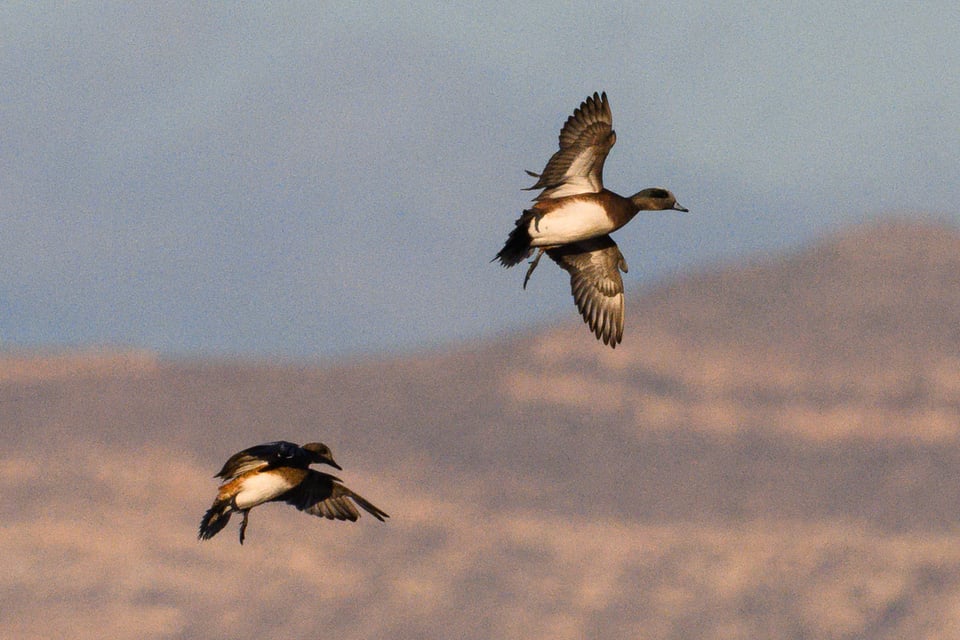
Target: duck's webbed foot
x,y
243,525
533,265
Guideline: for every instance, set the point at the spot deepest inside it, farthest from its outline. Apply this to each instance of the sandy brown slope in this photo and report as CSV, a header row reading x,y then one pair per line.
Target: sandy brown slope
x,y
771,453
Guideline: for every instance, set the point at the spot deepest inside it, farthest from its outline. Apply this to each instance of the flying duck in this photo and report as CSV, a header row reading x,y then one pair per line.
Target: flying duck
x,y
573,215
279,472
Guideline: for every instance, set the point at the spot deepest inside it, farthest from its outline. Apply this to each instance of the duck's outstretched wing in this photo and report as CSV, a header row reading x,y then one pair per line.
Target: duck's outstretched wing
x,y
585,140
321,495
594,266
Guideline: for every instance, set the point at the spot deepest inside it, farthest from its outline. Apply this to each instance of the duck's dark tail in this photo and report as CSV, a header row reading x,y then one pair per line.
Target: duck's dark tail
x,y
215,519
517,247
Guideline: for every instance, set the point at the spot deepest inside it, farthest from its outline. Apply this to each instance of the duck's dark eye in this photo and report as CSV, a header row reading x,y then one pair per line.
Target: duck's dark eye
x,y
659,193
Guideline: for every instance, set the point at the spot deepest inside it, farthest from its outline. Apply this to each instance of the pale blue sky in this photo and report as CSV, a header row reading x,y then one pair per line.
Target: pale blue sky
x,y
322,179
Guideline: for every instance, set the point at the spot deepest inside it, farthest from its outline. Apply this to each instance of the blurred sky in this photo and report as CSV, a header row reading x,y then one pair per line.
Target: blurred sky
x,y
321,179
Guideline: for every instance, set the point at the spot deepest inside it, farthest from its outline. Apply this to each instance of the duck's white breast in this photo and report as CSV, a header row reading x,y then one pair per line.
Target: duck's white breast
x,y
259,488
571,222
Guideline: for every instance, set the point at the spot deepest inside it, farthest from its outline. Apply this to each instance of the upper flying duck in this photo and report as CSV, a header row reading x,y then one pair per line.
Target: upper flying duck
x,y
279,471
572,216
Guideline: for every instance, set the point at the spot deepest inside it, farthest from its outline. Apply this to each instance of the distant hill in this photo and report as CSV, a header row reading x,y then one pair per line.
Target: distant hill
x,y
769,453
874,295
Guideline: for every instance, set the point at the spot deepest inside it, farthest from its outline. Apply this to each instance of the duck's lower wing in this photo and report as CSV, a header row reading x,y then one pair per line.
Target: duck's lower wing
x,y
594,266
321,495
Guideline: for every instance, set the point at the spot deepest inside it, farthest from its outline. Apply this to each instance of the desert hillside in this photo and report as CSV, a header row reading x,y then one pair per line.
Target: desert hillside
x,y
770,453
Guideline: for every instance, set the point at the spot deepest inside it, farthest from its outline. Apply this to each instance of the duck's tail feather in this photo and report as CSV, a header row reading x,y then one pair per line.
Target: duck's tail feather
x,y
517,248
215,519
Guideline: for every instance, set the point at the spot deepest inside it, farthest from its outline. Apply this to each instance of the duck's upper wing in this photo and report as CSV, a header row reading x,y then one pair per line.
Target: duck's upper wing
x,y
262,455
321,495
594,266
585,140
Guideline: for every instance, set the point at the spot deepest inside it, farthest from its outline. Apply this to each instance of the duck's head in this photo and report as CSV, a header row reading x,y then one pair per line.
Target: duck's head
x,y
320,453
656,199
